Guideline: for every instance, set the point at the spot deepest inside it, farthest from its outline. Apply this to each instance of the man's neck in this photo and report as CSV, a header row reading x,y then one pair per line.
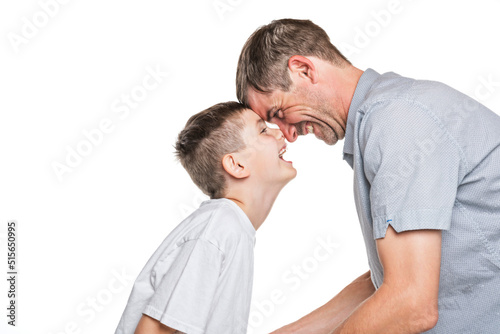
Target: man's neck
x,y
344,83
355,75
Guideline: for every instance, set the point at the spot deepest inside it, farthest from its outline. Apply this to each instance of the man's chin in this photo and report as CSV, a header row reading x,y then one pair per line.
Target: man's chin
x,y
330,143
329,140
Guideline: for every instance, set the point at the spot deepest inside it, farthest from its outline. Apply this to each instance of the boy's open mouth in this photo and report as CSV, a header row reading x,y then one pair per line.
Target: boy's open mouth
x,y
281,152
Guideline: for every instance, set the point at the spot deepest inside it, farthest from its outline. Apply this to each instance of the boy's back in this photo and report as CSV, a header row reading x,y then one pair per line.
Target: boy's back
x,y
200,278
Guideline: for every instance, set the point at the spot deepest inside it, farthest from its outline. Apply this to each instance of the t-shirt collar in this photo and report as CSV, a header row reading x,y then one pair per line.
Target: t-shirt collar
x,y
247,224
362,88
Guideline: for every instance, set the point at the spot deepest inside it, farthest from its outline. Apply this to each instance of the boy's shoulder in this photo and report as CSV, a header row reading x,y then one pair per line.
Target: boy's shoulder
x,y
218,221
227,218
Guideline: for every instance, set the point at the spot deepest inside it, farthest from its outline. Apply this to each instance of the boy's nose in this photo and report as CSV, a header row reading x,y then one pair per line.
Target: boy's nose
x,y
278,134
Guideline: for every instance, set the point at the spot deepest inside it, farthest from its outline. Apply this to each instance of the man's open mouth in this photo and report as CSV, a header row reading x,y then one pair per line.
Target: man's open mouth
x,y
309,127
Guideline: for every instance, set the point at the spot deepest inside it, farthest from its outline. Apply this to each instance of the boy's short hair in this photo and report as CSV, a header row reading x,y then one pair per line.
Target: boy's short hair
x,y
206,138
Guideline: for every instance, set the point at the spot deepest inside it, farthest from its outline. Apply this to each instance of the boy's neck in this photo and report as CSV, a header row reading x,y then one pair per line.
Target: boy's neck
x,y
256,205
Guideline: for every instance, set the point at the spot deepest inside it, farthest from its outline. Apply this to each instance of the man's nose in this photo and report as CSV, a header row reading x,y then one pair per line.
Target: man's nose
x,y
289,131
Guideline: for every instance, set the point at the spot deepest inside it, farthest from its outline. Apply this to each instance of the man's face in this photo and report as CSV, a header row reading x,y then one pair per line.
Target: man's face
x,y
300,111
264,150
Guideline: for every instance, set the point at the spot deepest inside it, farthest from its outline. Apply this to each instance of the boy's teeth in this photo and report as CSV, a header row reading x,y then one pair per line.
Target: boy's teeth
x,y
283,150
309,128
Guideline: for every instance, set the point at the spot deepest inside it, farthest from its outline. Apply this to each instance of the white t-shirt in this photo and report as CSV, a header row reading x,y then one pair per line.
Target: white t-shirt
x,y
200,278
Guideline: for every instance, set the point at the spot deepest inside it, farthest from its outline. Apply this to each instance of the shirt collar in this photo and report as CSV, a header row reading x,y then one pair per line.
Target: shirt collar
x,y
362,88
247,224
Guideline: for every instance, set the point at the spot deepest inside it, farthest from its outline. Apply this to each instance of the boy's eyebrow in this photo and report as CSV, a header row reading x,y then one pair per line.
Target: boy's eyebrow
x,y
260,120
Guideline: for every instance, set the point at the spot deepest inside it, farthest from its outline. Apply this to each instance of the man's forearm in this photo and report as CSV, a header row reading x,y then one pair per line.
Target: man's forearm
x,y
390,310
333,313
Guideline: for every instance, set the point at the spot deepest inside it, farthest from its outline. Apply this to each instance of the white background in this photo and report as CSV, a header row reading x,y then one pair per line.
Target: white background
x,y
106,217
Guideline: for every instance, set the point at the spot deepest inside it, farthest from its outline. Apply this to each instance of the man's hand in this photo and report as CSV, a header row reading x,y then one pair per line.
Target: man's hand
x,y
330,315
407,301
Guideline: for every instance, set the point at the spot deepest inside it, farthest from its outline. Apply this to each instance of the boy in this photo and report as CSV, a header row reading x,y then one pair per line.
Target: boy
x,y
200,278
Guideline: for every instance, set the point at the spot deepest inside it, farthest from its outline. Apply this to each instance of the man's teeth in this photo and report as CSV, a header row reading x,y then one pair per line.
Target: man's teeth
x,y
309,128
283,150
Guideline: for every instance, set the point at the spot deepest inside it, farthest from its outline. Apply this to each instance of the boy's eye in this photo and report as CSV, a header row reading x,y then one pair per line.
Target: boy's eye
x,y
264,130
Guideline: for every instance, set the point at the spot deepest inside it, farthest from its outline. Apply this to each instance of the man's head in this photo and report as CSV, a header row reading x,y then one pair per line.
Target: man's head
x,y
228,142
285,75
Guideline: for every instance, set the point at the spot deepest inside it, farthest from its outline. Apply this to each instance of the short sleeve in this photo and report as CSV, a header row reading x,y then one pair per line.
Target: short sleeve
x,y
413,166
183,297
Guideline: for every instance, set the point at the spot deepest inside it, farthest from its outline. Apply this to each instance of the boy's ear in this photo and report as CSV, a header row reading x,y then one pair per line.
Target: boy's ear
x,y
303,67
234,167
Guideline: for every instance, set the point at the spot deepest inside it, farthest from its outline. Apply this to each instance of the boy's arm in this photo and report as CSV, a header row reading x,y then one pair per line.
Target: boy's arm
x,y
330,315
148,325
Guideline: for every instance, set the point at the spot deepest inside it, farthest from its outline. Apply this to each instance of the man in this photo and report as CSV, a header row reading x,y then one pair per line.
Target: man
x,y
426,162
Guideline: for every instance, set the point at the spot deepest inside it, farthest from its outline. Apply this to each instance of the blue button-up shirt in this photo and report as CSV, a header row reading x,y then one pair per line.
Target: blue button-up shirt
x,y
426,156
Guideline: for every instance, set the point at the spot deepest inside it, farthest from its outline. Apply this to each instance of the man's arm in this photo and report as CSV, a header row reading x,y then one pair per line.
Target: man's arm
x,y
148,325
330,315
407,300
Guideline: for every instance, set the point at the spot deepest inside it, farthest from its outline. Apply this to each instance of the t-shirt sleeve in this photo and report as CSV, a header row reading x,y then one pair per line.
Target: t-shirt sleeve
x,y
184,294
413,166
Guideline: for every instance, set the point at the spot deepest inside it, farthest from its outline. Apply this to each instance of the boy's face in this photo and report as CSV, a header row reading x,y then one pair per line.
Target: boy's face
x,y
263,152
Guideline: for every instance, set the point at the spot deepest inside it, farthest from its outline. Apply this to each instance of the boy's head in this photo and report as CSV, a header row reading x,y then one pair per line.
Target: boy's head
x,y
229,142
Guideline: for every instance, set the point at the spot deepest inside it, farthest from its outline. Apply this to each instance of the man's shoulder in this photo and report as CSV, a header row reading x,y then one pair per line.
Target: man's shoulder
x,y
387,86
391,88
393,98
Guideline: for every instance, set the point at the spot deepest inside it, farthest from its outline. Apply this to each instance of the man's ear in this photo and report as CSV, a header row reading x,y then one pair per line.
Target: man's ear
x,y
303,67
234,167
